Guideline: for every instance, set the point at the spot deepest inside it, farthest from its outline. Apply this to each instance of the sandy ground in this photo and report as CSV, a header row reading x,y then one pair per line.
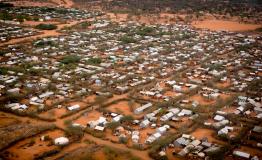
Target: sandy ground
x,y
90,99
161,18
170,156
171,94
22,150
201,100
33,4
122,108
141,154
54,113
49,3
6,121
90,116
144,134
222,25
223,84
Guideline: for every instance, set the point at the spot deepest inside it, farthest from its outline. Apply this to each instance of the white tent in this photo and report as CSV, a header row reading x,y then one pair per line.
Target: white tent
x,y
61,141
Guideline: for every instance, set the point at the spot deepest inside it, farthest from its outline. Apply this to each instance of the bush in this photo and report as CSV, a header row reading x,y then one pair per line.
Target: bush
x,y
138,146
123,140
85,24
3,71
6,5
145,31
31,143
74,131
47,154
259,29
127,39
5,16
46,26
127,119
70,59
20,18
113,125
2,53
67,122
95,133
94,61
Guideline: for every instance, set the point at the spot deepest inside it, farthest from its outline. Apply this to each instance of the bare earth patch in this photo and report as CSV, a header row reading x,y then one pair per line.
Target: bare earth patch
x,y
222,25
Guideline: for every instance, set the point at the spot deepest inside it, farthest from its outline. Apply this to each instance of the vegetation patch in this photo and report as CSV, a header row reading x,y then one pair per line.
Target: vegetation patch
x,y
43,26
70,59
94,61
127,39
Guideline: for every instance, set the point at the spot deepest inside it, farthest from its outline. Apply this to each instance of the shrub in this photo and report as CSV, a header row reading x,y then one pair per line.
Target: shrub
x,y
259,29
5,16
95,133
127,39
94,61
70,59
127,119
47,154
67,122
138,146
20,18
3,70
32,142
145,31
2,53
6,5
123,140
85,24
113,125
46,26
74,131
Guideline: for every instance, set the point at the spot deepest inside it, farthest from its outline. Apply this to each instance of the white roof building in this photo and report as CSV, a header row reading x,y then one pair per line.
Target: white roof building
x,y
61,141
74,107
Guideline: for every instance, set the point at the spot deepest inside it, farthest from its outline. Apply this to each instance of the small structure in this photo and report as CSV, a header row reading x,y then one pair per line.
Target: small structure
x,y
61,141
74,107
142,108
99,128
241,154
144,123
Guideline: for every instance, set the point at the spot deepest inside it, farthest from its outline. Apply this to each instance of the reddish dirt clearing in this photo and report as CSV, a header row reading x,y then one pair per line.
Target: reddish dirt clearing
x,y
219,25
